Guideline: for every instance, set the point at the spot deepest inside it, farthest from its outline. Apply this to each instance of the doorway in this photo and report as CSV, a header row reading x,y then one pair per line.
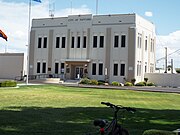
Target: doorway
x,y
78,72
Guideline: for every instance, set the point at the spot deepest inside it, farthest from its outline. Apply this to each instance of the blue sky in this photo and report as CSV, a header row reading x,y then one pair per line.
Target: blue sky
x,y
163,13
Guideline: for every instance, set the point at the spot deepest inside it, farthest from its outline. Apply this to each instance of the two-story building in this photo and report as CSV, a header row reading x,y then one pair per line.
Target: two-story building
x,y
103,47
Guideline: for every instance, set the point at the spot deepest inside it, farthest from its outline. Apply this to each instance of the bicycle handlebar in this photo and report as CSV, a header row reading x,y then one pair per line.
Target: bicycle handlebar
x,y
129,109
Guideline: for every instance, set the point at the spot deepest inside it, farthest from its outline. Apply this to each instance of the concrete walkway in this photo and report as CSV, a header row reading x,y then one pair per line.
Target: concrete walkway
x,y
135,88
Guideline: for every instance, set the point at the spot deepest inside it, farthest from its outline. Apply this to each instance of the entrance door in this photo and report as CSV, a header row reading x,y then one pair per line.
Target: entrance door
x,y
78,72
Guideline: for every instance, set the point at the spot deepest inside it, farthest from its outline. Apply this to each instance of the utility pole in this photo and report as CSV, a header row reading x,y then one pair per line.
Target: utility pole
x,y
165,60
172,66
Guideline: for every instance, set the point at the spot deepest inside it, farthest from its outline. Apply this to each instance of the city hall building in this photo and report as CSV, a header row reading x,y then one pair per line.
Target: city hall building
x,y
115,47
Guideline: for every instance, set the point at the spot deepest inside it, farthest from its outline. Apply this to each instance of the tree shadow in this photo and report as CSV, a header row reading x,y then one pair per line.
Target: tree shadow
x,y
79,120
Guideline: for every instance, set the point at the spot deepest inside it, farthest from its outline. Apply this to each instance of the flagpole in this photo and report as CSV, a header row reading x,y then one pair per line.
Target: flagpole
x,y
96,7
29,27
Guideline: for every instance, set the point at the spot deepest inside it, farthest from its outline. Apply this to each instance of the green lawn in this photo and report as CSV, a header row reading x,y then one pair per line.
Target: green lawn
x,y
58,110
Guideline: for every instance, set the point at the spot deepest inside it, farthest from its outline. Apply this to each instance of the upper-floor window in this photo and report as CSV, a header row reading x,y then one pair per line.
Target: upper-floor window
x,y
94,41
146,46
72,42
63,45
123,41
78,42
152,45
39,42
84,42
116,41
57,42
101,43
139,40
45,42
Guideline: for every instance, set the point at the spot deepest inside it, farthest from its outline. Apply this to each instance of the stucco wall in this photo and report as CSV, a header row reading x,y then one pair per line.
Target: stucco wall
x,y
162,79
11,65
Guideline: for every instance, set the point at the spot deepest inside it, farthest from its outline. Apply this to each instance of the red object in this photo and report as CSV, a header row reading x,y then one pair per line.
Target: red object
x,y
102,131
3,35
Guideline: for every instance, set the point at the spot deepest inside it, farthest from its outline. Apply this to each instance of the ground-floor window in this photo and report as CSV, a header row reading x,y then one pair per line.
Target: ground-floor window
x,y
122,70
94,69
100,68
38,67
62,68
43,67
115,72
56,68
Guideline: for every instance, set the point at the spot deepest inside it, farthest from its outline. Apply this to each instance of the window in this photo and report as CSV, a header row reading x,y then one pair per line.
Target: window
x,y
45,42
94,69
57,42
62,68
78,42
72,42
139,40
44,67
39,42
115,70
123,41
56,68
63,42
145,68
38,67
152,45
94,41
146,45
122,70
84,42
100,69
139,68
116,41
101,44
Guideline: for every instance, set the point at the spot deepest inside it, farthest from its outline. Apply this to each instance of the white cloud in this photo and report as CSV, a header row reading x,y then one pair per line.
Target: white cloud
x,y
172,42
14,22
149,14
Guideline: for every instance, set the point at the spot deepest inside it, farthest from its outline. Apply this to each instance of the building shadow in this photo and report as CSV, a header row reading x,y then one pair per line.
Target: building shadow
x,y
18,120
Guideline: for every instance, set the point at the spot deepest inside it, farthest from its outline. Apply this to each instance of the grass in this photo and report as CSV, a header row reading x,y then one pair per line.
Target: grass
x,y
58,110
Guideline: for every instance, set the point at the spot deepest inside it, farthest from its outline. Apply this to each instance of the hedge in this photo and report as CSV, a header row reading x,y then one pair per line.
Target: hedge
x,y
8,84
157,132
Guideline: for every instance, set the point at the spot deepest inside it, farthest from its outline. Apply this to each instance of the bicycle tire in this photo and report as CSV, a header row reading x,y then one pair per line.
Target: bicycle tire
x,y
120,131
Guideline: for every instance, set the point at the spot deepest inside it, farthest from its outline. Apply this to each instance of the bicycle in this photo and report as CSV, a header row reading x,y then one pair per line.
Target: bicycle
x,y
113,128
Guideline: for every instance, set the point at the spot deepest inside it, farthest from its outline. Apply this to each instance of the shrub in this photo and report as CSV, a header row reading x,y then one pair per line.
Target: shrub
x,y
157,132
146,79
8,84
85,81
101,82
115,83
133,81
178,70
94,82
150,84
128,84
141,84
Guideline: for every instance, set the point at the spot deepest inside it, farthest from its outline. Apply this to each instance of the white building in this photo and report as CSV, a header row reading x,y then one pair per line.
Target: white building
x,y
102,47
12,65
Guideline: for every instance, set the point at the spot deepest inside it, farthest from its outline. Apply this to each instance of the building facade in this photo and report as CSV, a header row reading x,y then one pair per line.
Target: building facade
x,y
102,47
12,65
